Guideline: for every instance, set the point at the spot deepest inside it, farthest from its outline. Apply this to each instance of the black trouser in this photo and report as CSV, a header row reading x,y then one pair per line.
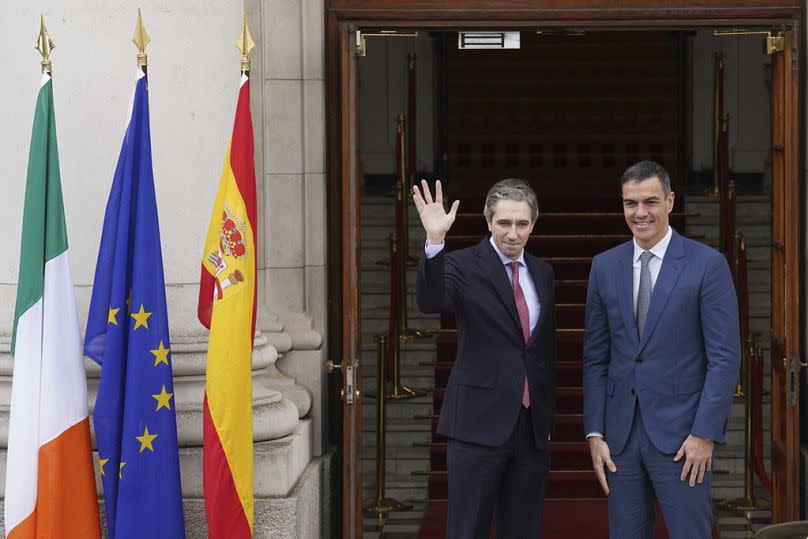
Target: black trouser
x,y
507,481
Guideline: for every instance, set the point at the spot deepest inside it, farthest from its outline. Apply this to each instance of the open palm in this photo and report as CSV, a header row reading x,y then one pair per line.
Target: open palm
x,y
434,218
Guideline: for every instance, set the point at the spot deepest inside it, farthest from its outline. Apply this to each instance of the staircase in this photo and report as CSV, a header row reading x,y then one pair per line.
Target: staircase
x,y
754,221
408,421
574,227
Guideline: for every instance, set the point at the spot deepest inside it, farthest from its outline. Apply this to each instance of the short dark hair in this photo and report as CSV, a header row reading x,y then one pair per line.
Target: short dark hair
x,y
642,170
511,189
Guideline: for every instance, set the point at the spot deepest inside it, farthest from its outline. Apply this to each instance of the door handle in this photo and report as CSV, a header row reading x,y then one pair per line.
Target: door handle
x,y
349,393
330,366
800,364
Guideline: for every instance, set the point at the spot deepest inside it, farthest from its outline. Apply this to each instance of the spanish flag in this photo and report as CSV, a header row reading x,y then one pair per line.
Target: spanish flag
x,y
227,298
50,483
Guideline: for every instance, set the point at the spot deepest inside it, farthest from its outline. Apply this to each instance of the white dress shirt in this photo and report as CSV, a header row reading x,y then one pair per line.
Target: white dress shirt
x,y
654,265
525,280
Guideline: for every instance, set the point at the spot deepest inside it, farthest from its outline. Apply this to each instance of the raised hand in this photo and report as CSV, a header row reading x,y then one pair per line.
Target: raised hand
x,y
435,220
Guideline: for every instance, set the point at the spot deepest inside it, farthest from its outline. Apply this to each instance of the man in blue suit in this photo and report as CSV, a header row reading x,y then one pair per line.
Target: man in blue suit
x,y
661,359
500,400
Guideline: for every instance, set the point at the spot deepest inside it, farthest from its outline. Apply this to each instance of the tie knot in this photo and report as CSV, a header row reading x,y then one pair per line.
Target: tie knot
x,y
514,264
645,257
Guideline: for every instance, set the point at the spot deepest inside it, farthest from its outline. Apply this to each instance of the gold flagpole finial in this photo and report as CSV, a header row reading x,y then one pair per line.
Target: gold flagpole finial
x,y
141,39
245,44
44,45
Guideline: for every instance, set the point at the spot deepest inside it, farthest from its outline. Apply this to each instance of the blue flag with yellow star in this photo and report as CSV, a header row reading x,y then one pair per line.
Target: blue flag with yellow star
x,y
127,335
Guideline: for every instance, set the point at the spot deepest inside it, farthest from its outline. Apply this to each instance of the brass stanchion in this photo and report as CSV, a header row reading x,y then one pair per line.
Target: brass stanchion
x,y
404,194
718,108
397,390
726,196
736,270
381,505
404,233
410,150
748,502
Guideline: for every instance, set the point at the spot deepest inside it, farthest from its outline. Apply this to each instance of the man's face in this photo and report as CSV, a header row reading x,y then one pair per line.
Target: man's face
x,y
510,226
646,209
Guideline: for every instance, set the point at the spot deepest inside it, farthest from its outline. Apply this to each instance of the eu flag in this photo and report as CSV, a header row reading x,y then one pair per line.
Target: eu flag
x,y
127,334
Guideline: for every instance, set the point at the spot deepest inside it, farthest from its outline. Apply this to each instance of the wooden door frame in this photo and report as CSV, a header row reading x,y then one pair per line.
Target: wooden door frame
x,y
786,252
343,15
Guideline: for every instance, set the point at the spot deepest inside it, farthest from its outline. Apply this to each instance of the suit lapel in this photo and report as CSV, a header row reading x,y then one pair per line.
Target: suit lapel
x,y
496,273
542,291
625,290
669,274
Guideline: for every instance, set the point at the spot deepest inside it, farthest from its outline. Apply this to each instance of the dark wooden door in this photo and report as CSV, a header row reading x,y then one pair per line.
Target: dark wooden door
x,y
346,219
785,260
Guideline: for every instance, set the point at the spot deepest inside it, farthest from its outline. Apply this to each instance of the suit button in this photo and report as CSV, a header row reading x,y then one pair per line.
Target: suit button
x,y
632,391
639,359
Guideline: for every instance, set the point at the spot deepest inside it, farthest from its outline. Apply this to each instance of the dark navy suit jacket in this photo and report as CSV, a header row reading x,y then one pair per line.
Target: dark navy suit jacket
x,y
484,393
684,369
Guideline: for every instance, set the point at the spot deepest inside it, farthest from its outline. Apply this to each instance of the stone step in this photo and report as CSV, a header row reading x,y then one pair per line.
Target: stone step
x,y
380,300
399,486
753,219
398,409
375,326
408,361
419,371
401,431
402,460
379,234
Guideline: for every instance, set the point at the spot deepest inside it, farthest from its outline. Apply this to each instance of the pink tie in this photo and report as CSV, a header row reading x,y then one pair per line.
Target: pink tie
x,y
524,319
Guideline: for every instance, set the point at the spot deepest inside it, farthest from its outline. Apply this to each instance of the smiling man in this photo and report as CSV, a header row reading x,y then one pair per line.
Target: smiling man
x,y
661,358
499,404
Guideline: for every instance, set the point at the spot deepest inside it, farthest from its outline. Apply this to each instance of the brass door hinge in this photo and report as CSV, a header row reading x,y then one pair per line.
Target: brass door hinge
x,y
773,43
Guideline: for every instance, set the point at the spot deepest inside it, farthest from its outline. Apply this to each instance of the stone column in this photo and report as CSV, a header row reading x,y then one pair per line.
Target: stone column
x,y
293,126
193,85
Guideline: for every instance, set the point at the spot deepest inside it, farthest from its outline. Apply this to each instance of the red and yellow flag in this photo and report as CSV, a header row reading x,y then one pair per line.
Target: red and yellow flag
x,y
227,299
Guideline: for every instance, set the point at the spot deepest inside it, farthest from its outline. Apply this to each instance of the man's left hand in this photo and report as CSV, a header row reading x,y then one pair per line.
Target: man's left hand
x,y
698,453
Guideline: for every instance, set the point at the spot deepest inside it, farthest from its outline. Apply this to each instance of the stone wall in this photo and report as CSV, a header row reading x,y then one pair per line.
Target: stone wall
x,y
193,84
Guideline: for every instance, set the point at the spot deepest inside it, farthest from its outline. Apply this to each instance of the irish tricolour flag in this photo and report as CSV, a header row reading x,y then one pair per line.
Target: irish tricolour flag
x,y
50,486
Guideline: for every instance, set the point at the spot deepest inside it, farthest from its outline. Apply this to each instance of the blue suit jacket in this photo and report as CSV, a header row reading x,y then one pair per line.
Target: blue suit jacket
x,y
484,393
684,369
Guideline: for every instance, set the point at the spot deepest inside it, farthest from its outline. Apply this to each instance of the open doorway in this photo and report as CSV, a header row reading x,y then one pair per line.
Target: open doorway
x,y
568,111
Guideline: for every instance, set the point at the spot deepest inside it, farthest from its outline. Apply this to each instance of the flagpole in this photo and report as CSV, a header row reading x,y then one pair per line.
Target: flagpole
x,y
141,39
245,44
44,45
227,461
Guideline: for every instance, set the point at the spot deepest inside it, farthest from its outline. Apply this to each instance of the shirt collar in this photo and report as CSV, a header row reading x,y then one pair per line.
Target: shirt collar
x,y
503,257
658,250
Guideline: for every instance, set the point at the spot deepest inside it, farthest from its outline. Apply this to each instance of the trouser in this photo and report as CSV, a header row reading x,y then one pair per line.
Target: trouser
x,y
645,476
506,483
